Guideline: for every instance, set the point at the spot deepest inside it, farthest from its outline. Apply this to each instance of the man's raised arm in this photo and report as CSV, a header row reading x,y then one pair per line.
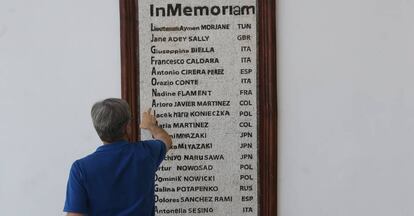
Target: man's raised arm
x,y
149,122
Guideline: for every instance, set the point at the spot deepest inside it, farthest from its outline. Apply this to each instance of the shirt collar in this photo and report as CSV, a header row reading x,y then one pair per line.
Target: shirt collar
x,y
112,146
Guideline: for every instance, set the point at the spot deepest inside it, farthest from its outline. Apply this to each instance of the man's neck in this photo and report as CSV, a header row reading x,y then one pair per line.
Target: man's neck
x,y
106,143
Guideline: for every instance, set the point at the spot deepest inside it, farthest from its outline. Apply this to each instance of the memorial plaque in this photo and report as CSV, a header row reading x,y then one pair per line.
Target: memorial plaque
x,y
195,63
198,72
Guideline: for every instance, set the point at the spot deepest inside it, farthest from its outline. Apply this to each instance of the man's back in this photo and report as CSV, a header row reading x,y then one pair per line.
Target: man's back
x,y
116,180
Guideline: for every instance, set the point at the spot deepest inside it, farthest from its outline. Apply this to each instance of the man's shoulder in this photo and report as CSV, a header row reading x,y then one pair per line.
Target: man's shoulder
x,y
98,153
93,156
82,162
86,158
143,146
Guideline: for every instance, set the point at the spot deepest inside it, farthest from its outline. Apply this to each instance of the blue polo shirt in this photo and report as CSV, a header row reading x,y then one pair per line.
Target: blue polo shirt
x,y
116,180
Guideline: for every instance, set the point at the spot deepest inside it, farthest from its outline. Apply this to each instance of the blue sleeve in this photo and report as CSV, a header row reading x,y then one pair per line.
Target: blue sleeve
x,y
157,150
76,196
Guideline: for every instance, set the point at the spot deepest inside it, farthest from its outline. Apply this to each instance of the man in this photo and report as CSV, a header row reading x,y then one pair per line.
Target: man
x,y
118,178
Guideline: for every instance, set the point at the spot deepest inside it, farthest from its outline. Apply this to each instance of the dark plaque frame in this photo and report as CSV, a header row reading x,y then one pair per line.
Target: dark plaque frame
x,y
267,96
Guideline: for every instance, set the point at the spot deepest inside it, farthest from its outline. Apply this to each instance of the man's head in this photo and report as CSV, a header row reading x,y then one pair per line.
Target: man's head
x,y
110,118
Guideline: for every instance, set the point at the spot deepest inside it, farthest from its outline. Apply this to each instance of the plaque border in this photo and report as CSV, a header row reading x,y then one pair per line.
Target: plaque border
x,y
267,107
267,87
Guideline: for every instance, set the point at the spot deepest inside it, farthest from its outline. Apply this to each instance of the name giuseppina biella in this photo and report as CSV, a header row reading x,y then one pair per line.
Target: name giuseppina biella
x,y
215,10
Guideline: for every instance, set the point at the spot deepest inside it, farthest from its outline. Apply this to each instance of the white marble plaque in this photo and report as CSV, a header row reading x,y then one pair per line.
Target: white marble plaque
x,y
197,70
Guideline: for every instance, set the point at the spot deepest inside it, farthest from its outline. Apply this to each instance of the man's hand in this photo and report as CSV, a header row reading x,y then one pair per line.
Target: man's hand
x,y
149,122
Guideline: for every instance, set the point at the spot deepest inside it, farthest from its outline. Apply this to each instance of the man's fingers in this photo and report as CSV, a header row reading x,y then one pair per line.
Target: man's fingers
x,y
148,112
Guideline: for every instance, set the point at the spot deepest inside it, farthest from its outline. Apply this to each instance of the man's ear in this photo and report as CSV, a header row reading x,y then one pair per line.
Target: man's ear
x,y
128,130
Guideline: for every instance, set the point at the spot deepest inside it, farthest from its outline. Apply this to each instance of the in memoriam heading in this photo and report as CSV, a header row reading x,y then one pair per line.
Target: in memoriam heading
x,y
214,10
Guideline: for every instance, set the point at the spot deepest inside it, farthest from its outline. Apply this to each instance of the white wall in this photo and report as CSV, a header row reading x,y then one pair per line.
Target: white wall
x,y
56,58
346,90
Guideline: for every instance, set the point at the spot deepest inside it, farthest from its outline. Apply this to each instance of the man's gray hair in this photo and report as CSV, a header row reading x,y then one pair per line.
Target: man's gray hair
x,y
110,117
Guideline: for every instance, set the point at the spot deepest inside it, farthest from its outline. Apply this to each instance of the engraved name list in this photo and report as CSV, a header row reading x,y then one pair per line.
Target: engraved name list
x,y
197,64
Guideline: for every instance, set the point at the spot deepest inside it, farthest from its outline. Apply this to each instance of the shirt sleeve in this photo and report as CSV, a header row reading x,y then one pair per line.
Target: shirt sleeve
x,y
157,150
76,196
